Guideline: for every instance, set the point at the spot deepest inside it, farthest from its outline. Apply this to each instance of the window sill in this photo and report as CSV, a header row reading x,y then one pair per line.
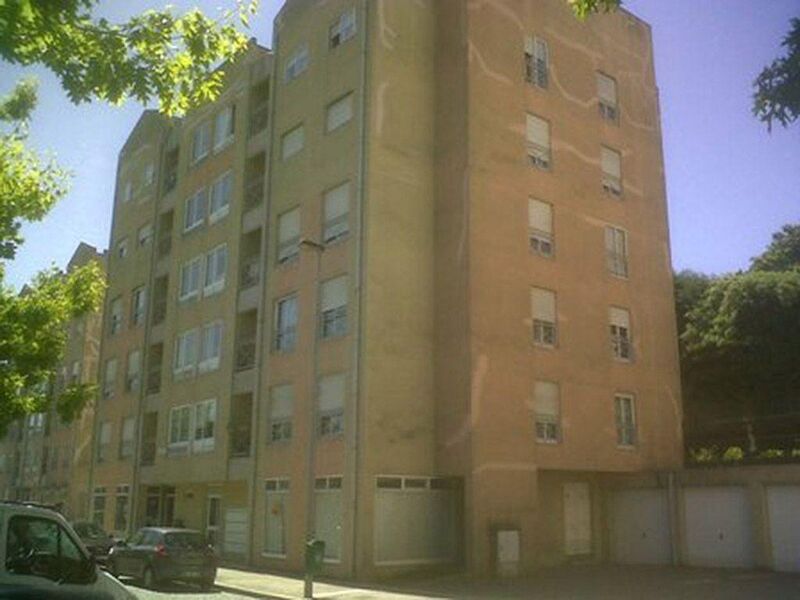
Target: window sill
x,y
208,366
220,147
219,215
188,297
203,448
627,447
548,442
198,160
544,346
214,289
338,127
193,227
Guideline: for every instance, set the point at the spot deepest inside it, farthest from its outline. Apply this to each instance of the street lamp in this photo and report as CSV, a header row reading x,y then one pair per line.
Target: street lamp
x,y
310,564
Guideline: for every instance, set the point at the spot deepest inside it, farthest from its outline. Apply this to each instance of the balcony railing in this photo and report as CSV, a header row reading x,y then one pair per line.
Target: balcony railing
x,y
159,310
254,191
240,438
148,456
259,117
164,244
246,354
170,180
251,273
154,380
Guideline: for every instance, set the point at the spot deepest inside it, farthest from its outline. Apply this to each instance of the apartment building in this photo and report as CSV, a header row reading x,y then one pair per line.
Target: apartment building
x,y
44,459
406,285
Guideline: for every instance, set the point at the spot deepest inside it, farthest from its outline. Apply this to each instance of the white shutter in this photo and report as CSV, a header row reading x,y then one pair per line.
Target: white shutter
x,y
616,241
610,161
540,215
340,112
543,305
289,226
334,293
282,399
619,317
331,392
545,398
337,202
293,142
538,131
607,89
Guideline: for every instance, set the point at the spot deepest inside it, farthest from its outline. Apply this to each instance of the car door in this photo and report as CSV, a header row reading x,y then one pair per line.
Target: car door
x,y
144,551
123,554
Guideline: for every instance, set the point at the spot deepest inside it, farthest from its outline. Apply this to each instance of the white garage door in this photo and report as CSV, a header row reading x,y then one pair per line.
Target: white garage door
x,y
783,504
235,532
718,527
640,527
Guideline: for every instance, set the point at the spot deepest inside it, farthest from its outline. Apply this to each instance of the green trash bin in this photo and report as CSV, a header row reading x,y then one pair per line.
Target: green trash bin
x,y
315,554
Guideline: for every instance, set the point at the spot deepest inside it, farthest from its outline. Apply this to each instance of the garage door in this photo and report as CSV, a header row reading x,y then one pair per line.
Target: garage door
x,y
640,527
235,532
718,527
783,504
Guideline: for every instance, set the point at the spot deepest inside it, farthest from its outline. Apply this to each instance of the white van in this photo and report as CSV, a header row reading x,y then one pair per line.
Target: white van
x,y
40,553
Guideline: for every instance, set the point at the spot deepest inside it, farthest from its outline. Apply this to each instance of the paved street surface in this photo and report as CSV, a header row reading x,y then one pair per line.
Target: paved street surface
x,y
568,583
181,592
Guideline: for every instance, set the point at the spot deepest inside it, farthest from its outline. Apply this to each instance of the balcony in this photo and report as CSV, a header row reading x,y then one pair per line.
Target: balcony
x,y
154,381
170,181
246,354
148,456
254,191
240,439
251,273
259,117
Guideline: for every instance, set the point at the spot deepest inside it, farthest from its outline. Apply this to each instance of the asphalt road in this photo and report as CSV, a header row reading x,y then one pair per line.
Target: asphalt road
x,y
176,591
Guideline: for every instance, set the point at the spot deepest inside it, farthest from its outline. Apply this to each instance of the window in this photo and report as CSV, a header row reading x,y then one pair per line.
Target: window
x,y
336,212
297,63
540,226
288,236
292,142
536,61
286,324
543,307
195,210
201,140
121,508
280,413
276,517
607,94
59,558
103,441
190,278
99,506
186,351
220,202
127,192
538,142
210,347
126,440
619,322
116,315
179,425
216,263
224,124
145,235
339,113
110,378
133,375
546,412
331,405
205,418
138,302
333,320
149,174
122,248
617,251
625,417
342,29
610,161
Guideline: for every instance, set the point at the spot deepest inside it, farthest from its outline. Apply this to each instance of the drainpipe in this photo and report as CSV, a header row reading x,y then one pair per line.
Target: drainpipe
x,y
354,429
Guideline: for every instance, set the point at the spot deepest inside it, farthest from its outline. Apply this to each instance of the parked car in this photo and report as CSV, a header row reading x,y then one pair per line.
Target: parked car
x,y
160,554
97,541
42,557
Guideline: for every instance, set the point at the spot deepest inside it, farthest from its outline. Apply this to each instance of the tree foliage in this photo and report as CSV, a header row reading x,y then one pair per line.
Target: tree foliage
x,y
159,57
583,8
783,253
777,87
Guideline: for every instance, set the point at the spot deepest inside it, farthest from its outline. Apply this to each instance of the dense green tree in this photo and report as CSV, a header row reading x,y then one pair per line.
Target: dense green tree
x,y
156,57
583,8
689,289
783,253
777,95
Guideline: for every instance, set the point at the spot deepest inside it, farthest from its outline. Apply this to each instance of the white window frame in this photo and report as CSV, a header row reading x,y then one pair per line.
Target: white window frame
x,y
608,105
547,425
280,427
297,63
288,250
126,444
541,240
626,428
138,305
210,363
214,286
333,320
194,263
188,366
218,213
286,152
122,248
103,441
285,337
127,192
342,29
116,316
334,120
612,182
537,62
109,381
133,377
545,332
330,421
226,117
617,251
198,199
202,132
540,153
621,336
180,443
204,443
335,226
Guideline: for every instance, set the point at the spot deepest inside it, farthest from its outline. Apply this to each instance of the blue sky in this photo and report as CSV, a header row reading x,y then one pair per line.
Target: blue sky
x,y
730,184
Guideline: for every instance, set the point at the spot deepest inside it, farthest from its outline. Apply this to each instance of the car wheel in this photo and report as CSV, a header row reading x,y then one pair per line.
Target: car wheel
x,y
149,578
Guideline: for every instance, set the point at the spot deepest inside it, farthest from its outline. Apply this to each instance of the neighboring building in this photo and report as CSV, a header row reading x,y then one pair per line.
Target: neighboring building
x,y
449,246
46,460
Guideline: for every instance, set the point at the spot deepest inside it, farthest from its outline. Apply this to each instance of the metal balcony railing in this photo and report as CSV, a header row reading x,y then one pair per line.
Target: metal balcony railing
x,y
148,456
254,191
154,380
240,433
251,273
246,354
259,116
159,310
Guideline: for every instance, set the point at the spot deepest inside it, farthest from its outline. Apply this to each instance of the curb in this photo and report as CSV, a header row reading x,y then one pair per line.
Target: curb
x,y
252,593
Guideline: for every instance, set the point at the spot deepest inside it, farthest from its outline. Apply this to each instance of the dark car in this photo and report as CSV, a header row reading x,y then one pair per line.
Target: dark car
x,y
97,541
160,554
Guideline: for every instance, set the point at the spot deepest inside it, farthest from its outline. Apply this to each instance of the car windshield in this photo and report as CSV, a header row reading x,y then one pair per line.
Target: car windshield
x,y
89,530
185,539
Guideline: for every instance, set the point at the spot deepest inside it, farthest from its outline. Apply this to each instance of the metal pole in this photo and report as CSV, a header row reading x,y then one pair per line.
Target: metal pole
x,y
308,582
